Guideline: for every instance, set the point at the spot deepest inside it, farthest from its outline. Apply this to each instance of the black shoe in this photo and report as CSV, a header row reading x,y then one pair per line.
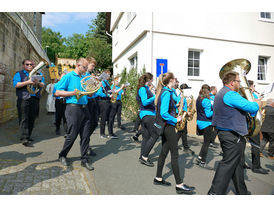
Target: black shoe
x,y
211,193
246,166
260,171
204,165
103,136
65,136
26,142
122,127
188,150
146,162
185,189
213,145
112,136
135,138
57,132
91,153
87,165
63,161
163,182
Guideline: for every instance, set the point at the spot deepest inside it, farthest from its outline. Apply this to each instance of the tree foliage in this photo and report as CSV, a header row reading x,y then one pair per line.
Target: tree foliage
x,y
52,42
94,43
98,28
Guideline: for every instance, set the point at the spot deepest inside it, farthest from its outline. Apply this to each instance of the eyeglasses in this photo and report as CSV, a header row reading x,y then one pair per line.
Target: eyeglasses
x,y
28,64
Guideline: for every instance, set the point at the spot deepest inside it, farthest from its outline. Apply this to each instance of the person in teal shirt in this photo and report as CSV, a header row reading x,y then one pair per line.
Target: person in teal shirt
x,y
166,110
204,125
77,114
145,98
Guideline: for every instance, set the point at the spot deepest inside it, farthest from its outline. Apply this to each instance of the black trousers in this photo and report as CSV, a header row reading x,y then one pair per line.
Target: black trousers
x,y
94,113
137,122
105,107
268,137
149,135
78,122
116,108
27,112
169,143
208,134
230,167
60,108
255,152
213,136
183,135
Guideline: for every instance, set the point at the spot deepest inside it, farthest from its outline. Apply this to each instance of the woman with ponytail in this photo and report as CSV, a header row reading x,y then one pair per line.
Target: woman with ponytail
x,y
146,98
204,125
166,109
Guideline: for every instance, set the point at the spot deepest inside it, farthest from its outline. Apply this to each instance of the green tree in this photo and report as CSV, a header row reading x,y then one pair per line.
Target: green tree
x,y
102,52
54,42
98,28
77,46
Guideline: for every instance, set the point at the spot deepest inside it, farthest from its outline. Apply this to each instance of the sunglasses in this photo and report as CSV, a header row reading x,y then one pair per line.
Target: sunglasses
x,y
28,64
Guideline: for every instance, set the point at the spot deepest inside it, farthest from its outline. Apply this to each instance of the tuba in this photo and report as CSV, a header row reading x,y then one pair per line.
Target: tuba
x,y
33,89
180,125
242,66
90,85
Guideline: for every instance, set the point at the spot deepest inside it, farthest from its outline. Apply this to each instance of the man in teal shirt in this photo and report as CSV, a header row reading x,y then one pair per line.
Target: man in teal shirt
x,y
77,114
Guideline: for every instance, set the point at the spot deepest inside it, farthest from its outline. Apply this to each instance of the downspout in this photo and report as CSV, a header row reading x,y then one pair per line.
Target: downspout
x,y
151,37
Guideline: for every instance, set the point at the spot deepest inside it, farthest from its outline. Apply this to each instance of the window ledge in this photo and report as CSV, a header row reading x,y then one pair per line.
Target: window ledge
x,y
263,82
195,78
267,20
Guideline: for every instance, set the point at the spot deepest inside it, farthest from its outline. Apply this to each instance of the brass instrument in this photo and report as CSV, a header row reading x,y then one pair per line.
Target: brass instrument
x,y
114,95
242,66
190,109
90,85
180,125
33,89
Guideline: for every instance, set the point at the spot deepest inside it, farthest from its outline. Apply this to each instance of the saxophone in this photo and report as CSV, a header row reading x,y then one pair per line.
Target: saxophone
x,y
180,125
114,95
30,88
190,110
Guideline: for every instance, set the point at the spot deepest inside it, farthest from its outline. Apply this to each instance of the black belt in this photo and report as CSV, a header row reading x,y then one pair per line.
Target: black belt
x,y
78,105
104,98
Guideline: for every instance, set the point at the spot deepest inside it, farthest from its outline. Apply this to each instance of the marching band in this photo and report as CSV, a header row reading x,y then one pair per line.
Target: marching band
x,y
161,112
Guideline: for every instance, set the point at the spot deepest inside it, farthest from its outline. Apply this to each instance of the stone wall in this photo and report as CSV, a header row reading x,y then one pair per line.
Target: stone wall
x,y
14,48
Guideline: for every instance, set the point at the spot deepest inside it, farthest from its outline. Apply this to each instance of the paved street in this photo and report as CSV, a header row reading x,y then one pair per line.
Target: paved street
x,y
36,170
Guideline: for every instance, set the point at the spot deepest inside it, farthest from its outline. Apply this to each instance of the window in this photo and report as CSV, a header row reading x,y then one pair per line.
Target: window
x,y
133,62
193,63
267,16
262,68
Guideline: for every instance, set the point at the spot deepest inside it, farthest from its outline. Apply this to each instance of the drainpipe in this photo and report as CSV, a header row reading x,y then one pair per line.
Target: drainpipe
x,y
151,37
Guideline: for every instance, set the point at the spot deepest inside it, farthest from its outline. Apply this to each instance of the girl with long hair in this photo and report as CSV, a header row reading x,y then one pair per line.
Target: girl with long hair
x,y
147,114
166,109
204,126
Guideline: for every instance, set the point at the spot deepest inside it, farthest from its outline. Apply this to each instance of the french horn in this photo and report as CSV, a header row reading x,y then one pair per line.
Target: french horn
x,y
90,85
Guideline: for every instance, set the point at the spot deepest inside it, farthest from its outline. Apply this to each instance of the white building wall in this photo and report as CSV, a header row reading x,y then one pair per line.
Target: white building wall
x,y
214,54
221,37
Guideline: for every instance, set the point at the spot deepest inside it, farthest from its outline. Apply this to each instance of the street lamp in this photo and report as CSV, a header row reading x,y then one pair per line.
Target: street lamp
x,y
46,50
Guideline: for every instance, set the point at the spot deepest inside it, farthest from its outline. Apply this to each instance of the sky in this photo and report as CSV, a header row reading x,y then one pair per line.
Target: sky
x,y
68,23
